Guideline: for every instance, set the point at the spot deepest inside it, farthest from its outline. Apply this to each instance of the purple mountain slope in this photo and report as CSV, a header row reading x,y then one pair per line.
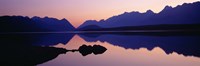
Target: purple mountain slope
x,y
35,24
188,13
53,23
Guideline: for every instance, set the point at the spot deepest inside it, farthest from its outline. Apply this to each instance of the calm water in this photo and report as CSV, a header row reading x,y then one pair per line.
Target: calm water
x,y
122,50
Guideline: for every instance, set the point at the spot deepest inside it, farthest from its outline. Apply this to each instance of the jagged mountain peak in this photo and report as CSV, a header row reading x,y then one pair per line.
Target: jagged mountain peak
x,y
149,12
167,8
34,24
184,14
64,20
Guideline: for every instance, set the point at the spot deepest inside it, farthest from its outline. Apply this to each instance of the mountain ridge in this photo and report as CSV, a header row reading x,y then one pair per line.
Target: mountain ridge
x,y
186,13
34,24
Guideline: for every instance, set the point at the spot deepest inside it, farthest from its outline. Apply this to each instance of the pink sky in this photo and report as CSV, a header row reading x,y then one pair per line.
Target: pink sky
x,y
77,11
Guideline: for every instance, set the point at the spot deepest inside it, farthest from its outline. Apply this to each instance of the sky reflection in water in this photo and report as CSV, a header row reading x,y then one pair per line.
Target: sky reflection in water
x,y
119,56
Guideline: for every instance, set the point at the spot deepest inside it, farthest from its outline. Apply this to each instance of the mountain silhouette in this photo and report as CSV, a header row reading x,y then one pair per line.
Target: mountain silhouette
x,y
187,13
35,24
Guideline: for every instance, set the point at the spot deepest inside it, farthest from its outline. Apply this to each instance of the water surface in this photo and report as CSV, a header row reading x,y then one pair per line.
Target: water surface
x,y
122,50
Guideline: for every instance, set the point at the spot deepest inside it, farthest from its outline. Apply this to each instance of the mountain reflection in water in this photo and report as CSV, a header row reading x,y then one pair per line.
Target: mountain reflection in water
x,y
118,50
186,45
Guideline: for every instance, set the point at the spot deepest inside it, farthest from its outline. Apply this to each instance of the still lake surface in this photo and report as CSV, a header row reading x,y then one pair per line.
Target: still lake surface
x,y
122,49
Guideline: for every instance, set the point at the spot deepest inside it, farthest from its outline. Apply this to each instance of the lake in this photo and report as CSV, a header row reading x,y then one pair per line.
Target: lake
x,y
96,49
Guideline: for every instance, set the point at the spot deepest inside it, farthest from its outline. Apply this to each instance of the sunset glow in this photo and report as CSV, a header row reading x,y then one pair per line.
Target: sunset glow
x,y
77,11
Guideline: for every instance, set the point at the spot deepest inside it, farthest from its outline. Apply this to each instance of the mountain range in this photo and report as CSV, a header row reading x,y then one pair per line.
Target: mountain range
x,y
187,13
34,24
181,17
